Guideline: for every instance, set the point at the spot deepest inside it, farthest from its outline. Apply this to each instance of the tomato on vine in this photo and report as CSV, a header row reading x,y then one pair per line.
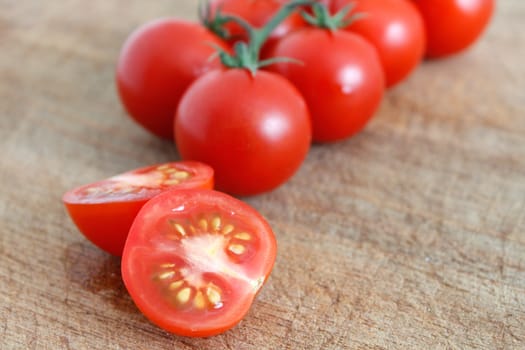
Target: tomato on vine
x,y
255,12
156,65
395,28
453,25
251,126
340,75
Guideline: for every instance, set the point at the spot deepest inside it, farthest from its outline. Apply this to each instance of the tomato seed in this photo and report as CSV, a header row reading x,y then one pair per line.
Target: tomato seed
x,y
181,175
203,224
244,236
214,294
184,295
199,301
175,285
236,249
166,275
216,223
227,229
171,182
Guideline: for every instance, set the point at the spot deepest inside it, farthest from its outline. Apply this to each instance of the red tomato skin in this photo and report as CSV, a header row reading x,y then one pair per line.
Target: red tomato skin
x,y
395,28
453,25
157,63
106,224
340,78
253,130
152,306
258,13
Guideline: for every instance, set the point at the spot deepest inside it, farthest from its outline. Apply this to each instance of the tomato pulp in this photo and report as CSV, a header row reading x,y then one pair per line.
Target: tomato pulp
x,y
195,260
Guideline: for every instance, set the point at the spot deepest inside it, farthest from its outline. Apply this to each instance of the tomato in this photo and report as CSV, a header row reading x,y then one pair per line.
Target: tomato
x,y
104,211
195,260
156,65
340,78
257,13
453,25
395,28
254,130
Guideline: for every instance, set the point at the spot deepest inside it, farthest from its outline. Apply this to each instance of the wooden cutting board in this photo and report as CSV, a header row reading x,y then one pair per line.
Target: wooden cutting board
x,y
410,235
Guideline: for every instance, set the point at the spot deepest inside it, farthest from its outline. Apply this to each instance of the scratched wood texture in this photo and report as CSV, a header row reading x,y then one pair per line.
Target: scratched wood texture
x,y
408,236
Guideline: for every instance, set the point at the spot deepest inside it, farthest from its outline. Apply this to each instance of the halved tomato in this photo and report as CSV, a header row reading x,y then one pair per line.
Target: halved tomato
x,y
195,260
104,211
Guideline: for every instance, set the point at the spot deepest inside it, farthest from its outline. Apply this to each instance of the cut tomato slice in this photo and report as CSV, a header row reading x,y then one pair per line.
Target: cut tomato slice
x,y
104,211
195,260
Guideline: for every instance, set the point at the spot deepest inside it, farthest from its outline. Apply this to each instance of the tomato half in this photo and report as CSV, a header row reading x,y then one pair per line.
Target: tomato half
x,y
453,25
258,13
104,211
157,63
254,130
340,78
195,260
395,28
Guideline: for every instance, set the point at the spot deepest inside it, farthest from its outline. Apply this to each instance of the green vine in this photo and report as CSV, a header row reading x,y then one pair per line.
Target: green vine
x,y
246,54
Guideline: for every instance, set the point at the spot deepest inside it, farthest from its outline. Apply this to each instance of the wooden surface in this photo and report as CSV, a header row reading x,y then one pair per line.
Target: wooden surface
x,y
408,236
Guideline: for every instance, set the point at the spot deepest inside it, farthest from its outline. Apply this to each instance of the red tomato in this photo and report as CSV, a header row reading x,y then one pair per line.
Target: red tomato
x,y
453,25
395,28
340,78
104,211
253,130
156,65
257,13
195,260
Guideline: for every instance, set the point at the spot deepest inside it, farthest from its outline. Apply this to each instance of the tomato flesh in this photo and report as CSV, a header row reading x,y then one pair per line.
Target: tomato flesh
x,y
104,211
195,260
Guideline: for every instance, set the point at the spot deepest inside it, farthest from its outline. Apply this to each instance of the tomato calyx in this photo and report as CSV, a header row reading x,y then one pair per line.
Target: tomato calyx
x,y
322,18
246,55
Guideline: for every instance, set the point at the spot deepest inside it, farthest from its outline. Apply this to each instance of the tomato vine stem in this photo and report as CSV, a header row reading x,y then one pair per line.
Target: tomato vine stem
x,y
323,19
246,54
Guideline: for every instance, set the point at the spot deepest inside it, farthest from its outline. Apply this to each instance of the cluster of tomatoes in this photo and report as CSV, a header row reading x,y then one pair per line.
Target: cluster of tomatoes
x,y
243,95
255,128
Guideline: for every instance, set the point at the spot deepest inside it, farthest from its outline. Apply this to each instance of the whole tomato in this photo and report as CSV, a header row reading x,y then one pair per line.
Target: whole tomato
x,y
395,28
453,25
339,75
157,63
253,129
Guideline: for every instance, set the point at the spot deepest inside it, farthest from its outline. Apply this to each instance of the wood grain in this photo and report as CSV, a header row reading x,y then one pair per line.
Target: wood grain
x,y
408,236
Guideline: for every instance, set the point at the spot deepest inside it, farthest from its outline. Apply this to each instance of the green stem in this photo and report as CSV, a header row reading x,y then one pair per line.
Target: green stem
x,y
261,35
246,55
323,19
